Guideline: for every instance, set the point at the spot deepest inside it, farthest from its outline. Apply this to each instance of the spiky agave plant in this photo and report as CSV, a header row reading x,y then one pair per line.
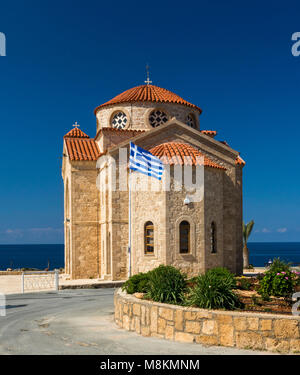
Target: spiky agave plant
x,y
247,229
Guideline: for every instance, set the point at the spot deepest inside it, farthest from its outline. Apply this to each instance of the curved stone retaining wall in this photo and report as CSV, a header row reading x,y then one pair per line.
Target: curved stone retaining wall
x,y
259,331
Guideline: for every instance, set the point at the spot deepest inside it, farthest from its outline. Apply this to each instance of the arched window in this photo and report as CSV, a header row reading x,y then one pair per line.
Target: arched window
x,y
184,229
149,238
213,238
190,121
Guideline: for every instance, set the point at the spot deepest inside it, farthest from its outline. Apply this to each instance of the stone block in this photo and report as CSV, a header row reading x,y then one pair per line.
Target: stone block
x,y
275,345
203,315
295,346
190,315
284,328
143,315
224,319
126,322
207,340
153,319
265,324
161,325
166,313
132,324
249,340
169,332
136,309
137,324
192,327
179,320
145,331
252,324
184,337
209,327
226,335
240,323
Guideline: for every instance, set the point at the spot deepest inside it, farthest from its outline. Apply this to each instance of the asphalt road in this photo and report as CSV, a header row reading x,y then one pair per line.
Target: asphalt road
x,y
80,322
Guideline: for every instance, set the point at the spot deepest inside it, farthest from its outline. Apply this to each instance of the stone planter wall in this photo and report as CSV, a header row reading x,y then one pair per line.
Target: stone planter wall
x,y
259,331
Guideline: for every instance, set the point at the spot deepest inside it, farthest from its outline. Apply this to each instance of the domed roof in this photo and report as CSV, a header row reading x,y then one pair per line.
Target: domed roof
x,y
148,93
178,153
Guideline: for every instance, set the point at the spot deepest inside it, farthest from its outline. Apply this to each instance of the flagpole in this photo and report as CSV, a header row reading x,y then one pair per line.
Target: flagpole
x,y
129,223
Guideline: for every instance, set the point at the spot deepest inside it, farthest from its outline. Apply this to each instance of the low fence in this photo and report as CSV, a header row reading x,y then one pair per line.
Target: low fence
x,y
10,273
258,331
39,280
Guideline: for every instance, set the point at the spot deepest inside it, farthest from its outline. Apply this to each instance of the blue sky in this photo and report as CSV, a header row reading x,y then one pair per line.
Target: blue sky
x,y
233,59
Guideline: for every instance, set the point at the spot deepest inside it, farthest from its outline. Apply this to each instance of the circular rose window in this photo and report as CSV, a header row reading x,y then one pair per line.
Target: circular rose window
x,y
157,118
119,120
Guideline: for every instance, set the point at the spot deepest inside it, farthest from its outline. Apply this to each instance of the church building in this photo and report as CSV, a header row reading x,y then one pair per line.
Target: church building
x,y
167,227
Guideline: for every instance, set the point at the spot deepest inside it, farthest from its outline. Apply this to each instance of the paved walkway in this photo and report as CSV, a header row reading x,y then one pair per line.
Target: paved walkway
x,y
10,284
80,322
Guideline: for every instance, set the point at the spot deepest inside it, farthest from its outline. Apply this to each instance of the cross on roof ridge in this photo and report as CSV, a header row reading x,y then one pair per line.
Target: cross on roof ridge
x,y
148,79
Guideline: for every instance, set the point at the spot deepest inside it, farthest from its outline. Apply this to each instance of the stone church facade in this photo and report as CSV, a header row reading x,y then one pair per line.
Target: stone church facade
x,y
166,227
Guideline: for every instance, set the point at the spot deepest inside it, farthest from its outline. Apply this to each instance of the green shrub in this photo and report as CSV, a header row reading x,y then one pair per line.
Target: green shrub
x,y
137,283
297,277
244,283
192,280
278,281
255,301
279,265
221,272
214,291
166,284
260,276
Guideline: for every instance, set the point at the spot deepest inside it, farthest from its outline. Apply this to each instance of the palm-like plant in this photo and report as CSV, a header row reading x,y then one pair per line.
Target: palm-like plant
x,y
247,229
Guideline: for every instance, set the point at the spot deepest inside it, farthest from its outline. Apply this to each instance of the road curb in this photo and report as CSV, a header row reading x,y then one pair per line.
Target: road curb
x,y
116,284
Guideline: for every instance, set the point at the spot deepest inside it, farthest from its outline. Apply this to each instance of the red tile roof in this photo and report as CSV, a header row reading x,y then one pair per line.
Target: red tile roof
x,y
212,133
240,161
148,93
178,153
76,133
80,146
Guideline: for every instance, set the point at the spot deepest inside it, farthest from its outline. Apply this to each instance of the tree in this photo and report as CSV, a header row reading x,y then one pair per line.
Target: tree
x,y
247,229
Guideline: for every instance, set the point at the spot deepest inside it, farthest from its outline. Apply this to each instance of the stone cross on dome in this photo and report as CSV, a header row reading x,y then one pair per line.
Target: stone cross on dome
x,y
148,79
76,125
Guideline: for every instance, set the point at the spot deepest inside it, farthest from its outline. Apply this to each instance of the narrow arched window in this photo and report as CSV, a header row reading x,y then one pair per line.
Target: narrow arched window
x,y
213,238
149,238
184,229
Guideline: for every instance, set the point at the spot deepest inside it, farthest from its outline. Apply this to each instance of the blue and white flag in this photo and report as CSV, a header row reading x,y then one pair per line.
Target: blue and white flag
x,y
143,161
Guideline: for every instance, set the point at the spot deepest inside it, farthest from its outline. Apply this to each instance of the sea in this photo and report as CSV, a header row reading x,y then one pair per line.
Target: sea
x,y
52,256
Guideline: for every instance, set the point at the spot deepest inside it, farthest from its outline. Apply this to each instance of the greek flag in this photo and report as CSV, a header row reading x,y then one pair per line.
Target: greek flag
x,y
143,161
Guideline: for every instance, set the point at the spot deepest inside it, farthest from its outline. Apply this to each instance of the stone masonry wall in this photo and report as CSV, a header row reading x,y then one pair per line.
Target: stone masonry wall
x,y
84,221
193,263
276,333
148,206
213,212
138,113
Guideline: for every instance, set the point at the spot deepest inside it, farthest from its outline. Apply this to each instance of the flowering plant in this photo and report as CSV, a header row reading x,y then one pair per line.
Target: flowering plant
x,y
278,281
